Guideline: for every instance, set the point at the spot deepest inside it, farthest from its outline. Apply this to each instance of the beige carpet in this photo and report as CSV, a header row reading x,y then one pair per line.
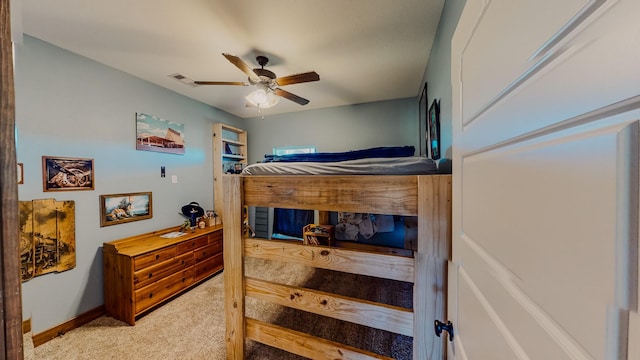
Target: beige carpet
x,y
191,326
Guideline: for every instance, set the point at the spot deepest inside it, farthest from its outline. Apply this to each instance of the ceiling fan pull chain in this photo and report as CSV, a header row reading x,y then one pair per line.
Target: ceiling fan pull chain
x,y
260,112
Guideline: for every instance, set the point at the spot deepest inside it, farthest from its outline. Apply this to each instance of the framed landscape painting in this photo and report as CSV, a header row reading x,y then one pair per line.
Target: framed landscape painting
x,y
122,208
160,135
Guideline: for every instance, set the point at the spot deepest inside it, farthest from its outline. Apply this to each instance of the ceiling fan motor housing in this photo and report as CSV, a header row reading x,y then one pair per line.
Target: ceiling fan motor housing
x,y
265,75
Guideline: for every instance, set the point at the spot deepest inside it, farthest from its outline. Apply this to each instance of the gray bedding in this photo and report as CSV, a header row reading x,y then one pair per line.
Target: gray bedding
x,y
414,165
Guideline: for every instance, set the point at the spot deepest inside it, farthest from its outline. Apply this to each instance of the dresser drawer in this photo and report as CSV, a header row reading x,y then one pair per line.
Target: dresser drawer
x,y
192,244
151,295
154,273
215,237
153,258
208,267
207,252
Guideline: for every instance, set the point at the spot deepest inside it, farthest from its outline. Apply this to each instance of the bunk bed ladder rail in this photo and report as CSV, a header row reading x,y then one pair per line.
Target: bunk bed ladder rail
x,y
376,315
433,209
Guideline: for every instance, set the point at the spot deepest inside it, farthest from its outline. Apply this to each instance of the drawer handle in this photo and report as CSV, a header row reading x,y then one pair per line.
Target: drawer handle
x,y
150,295
150,275
184,279
182,262
157,256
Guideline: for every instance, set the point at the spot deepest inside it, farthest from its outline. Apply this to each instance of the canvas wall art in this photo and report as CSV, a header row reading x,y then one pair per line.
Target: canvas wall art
x,y
66,173
160,135
47,237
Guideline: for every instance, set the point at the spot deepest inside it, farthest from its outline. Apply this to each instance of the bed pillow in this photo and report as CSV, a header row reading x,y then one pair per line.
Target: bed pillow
x,y
377,152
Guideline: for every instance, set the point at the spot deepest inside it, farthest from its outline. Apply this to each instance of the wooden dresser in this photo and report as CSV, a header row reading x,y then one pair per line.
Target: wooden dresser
x,y
143,270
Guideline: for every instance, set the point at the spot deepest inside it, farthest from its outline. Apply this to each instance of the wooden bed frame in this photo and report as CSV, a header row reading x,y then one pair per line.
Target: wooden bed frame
x,y
428,197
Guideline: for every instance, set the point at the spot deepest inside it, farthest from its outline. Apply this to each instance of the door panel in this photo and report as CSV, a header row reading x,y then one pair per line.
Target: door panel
x,y
545,202
596,54
556,200
479,317
510,316
524,20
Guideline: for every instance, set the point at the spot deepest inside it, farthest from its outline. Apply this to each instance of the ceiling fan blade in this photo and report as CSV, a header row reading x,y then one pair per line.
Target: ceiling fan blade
x,y
289,96
220,83
242,66
298,78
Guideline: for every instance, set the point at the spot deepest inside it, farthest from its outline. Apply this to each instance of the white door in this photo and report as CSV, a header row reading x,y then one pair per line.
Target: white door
x,y
545,181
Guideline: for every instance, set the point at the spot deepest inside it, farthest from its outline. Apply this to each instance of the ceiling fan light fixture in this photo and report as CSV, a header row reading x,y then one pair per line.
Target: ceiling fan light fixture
x,y
262,98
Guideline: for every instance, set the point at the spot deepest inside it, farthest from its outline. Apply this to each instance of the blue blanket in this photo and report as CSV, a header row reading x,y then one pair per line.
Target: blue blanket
x,y
377,152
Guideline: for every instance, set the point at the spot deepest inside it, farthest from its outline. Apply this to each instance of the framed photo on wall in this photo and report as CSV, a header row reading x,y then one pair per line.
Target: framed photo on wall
x,y
434,129
122,208
20,173
65,173
423,133
160,135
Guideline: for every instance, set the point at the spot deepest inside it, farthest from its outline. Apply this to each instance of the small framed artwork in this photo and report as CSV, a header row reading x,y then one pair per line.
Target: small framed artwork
x,y
434,129
65,173
423,120
20,173
122,208
160,135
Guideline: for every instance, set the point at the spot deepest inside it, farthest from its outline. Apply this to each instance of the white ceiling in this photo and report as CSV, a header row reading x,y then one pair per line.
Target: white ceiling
x,y
363,50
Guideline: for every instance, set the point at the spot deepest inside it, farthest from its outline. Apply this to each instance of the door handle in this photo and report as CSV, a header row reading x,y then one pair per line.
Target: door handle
x,y
439,326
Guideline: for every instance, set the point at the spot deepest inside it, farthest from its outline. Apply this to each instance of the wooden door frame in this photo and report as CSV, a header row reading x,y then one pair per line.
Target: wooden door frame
x,y
10,285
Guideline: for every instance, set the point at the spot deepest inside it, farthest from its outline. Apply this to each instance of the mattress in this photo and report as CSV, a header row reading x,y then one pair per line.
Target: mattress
x,y
411,165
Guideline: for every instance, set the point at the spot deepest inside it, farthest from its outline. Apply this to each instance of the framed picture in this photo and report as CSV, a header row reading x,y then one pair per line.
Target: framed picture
x,y
434,129
65,173
20,173
122,208
423,107
160,135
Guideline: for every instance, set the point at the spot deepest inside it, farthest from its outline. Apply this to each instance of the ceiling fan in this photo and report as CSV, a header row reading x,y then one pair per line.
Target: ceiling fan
x,y
267,85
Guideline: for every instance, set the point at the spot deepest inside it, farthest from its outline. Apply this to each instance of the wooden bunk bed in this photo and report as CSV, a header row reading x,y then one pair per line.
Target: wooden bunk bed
x,y
427,197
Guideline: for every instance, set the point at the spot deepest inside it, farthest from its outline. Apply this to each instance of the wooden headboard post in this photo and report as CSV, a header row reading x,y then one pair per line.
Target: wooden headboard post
x,y
233,245
431,261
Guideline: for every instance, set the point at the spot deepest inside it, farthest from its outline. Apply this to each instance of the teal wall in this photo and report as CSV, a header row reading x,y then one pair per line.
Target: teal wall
x,y
438,76
70,106
342,128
